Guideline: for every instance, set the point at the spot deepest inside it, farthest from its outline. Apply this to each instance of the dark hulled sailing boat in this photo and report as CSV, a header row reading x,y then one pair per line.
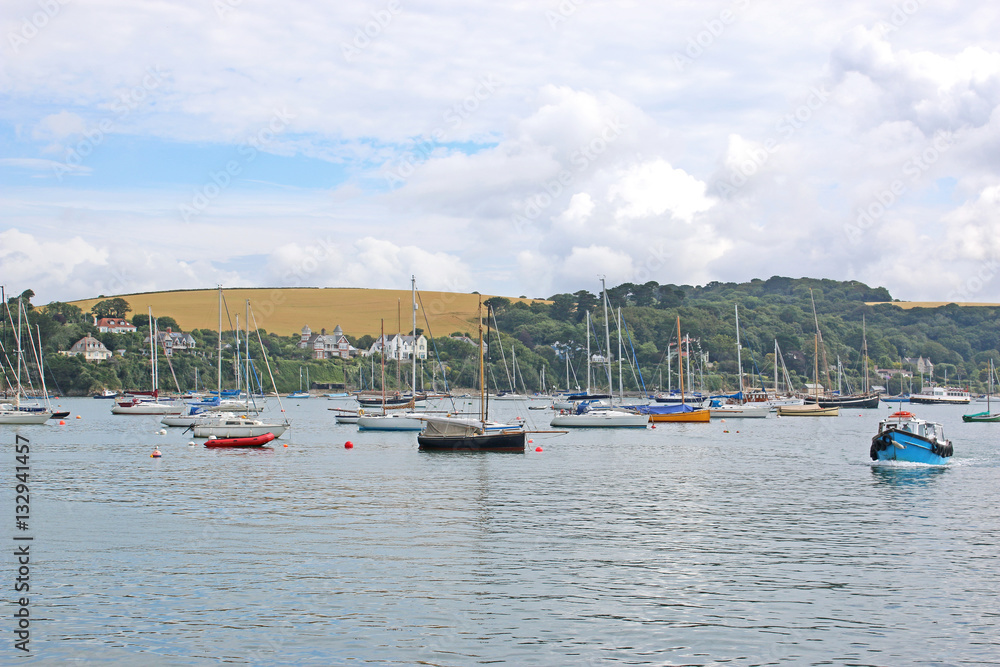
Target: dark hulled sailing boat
x,y
447,434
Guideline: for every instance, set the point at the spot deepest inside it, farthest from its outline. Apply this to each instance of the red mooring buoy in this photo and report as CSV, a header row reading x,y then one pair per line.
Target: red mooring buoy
x,y
348,445
538,449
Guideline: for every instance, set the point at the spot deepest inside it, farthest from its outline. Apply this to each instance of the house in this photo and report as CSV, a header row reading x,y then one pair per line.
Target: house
x,y
91,349
400,347
327,346
174,340
923,366
113,325
888,373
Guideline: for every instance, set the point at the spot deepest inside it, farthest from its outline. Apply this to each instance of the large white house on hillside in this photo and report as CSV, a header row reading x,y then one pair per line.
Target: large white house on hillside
x,y
399,347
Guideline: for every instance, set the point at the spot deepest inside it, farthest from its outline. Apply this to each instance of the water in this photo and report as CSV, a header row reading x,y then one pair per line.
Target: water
x,y
778,542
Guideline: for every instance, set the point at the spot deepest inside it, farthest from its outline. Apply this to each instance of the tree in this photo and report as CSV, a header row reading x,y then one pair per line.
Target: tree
x,y
116,307
584,301
499,304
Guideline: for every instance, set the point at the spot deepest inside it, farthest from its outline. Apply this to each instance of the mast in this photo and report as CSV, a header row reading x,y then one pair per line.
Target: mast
x,y
864,352
621,389
607,336
153,335
680,362
776,368
17,338
687,351
247,373
819,341
413,348
482,367
588,352
218,372
816,366
739,354
383,365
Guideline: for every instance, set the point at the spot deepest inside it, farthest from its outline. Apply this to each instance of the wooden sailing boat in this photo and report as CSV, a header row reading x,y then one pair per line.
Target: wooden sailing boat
x,y
813,409
682,412
987,416
864,399
449,434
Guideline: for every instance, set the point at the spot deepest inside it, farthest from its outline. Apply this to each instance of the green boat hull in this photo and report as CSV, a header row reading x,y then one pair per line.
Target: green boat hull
x,y
982,417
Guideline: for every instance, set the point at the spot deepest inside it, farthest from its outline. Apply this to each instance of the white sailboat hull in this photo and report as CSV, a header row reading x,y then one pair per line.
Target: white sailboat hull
x,y
601,419
741,411
22,417
238,430
400,422
149,408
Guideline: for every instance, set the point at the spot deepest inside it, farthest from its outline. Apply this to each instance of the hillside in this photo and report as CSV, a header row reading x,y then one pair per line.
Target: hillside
x,y
285,311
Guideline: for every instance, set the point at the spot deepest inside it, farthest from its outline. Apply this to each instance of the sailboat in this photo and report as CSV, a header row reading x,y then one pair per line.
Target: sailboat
x,y
676,413
810,409
135,403
987,416
397,421
239,424
15,413
742,409
865,399
450,434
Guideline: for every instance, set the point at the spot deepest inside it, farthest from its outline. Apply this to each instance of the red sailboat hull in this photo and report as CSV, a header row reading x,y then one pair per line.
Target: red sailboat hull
x,y
256,441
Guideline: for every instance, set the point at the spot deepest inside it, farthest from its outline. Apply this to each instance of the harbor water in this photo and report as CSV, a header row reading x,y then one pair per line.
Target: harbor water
x,y
742,542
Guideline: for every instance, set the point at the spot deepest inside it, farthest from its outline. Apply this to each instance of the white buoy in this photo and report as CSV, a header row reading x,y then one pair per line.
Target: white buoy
x,y
162,431
191,444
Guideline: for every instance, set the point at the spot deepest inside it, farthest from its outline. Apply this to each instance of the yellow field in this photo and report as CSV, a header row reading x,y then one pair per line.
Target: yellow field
x,y
906,305
285,311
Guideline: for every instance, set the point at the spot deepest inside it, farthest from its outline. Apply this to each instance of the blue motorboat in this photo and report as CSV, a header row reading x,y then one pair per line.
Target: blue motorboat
x,y
903,437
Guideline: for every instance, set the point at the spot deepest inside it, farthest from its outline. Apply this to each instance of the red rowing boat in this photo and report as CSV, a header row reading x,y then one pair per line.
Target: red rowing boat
x,y
256,441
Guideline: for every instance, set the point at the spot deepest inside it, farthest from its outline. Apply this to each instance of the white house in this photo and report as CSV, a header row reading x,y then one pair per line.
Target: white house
x,y
113,325
400,347
91,349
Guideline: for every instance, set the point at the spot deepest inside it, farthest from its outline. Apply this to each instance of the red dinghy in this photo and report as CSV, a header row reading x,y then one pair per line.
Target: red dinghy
x,y
256,441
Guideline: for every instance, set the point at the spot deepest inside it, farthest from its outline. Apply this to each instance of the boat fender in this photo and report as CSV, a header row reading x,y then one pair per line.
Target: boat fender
x,y
879,443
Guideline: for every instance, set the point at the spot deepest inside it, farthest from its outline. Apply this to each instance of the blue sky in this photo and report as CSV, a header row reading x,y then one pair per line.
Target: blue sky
x,y
515,148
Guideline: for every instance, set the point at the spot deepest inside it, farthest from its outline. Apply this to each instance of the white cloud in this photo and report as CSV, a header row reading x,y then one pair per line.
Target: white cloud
x,y
654,188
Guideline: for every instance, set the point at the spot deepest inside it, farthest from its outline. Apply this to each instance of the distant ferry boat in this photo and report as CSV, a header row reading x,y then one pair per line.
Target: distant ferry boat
x,y
950,395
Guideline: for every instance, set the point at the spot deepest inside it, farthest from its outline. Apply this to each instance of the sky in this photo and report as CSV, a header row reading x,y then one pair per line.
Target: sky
x,y
515,148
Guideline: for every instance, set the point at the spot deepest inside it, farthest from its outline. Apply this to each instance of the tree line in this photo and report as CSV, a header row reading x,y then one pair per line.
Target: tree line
x,y
548,339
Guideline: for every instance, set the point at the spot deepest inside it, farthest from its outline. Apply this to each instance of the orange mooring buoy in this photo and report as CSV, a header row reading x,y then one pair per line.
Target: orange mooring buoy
x,y
156,454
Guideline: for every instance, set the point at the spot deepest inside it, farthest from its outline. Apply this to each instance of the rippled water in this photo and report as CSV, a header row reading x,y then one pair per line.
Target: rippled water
x,y
777,542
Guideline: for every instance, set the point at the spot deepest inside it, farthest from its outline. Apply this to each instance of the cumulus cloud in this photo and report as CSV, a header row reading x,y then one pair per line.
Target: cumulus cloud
x,y
653,188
